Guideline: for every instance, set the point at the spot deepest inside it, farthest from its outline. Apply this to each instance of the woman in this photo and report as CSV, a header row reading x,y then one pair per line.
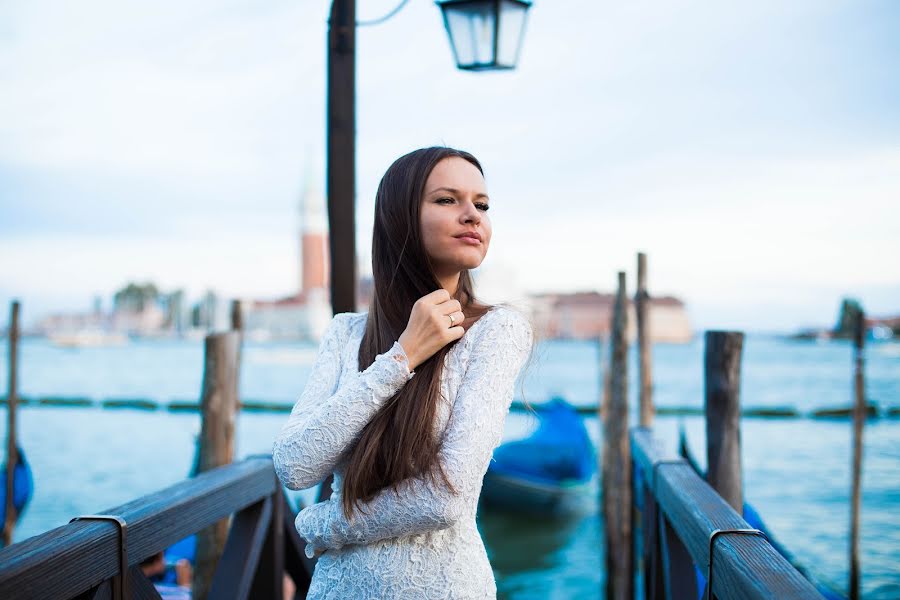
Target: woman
x,y
406,404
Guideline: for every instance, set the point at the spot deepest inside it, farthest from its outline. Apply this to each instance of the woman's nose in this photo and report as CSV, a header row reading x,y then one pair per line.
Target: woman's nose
x,y
471,214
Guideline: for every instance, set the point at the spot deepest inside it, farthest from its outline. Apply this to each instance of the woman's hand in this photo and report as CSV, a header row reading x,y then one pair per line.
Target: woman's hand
x,y
429,327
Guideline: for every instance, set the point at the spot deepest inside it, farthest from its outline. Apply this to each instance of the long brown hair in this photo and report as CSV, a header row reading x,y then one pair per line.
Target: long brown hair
x,y
400,442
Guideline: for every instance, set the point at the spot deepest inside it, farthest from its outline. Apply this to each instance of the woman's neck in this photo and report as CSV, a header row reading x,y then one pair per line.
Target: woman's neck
x,y
450,283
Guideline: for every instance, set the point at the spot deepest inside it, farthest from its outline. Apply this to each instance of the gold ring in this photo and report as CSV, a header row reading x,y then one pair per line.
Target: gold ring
x,y
451,320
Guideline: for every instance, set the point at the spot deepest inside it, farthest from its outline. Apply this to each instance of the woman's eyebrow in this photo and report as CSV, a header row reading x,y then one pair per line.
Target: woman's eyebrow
x,y
455,191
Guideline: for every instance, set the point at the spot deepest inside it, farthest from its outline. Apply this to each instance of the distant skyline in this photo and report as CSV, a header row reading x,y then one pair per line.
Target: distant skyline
x,y
752,150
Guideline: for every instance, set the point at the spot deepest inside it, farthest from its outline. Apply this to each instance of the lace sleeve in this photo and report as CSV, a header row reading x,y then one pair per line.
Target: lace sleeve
x,y
328,417
473,431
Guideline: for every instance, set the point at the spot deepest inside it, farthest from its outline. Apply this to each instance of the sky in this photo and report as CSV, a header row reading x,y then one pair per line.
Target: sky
x,y
752,150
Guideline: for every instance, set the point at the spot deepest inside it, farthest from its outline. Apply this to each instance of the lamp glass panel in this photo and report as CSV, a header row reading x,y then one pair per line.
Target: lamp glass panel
x,y
511,30
471,28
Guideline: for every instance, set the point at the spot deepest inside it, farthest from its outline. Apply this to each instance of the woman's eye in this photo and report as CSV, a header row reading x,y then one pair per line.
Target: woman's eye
x,y
482,206
443,199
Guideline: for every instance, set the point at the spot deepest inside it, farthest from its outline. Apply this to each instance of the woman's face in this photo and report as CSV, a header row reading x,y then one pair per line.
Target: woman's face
x,y
454,216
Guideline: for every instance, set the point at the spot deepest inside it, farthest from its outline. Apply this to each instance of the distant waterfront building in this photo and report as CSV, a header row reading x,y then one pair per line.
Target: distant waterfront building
x,y
587,315
306,313
177,318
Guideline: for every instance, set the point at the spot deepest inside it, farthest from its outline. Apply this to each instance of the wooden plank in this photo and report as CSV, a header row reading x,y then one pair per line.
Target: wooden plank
x,y
678,577
745,566
239,561
141,587
68,560
652,547
100,592
722,361
269,579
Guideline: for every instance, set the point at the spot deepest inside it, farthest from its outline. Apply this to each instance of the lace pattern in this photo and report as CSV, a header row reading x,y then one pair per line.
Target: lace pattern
x,y
420,541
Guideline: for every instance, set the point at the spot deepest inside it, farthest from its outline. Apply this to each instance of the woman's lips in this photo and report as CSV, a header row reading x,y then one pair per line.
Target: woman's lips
x,y
469,240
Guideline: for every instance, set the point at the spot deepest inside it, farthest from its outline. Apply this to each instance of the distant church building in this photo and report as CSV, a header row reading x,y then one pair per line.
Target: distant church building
x,y
306,313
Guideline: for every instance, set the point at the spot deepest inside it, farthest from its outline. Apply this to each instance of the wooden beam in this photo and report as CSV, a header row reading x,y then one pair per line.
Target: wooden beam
x,y
746,567
141,587
74,558
269,579
678,576
240,559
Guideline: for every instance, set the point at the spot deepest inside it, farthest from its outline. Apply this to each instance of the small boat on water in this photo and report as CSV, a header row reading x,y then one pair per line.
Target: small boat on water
x,y
753,518
23,485
548,472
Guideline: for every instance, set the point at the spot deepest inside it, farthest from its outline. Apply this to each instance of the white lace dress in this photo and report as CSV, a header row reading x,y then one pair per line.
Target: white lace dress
x,y
422,542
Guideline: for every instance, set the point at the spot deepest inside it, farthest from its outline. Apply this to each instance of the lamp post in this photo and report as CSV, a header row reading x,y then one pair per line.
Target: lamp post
x,y
484,35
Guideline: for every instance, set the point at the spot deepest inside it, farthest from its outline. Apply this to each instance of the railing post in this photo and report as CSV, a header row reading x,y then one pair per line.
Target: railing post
x,y
616,483
652,547
678,580
216,447
269,580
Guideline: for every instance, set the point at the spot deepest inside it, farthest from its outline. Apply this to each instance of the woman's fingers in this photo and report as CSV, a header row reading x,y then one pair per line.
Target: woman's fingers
x,y
449,306
457,318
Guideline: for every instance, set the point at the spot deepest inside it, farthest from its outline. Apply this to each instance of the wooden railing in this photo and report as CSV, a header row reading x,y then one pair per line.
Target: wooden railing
x,y
686,523
100,557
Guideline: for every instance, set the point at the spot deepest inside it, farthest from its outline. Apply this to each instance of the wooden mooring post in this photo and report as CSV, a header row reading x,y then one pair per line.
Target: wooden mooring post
x,y
616,462
645,367
216,446
12,454
859,417
722,362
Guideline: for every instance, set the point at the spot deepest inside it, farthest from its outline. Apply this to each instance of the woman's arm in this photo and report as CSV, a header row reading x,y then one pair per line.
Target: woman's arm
x,y
474,430
327,417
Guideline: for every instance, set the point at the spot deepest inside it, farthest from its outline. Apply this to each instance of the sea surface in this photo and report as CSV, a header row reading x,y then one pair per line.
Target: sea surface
x,y
796,471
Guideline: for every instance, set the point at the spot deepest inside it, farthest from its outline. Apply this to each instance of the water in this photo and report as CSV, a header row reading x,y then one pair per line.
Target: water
x,y
796,471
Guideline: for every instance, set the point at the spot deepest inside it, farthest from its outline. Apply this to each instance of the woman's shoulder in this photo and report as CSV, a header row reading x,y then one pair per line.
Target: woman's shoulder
x,y
342,324
503,319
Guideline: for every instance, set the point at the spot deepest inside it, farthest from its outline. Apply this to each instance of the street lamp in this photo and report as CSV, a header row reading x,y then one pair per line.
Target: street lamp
x,y
485,34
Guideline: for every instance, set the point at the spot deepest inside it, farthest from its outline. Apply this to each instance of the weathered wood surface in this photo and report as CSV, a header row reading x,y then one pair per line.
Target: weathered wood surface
x,y
12,454
237,567
645,361
219,405
341,152
722,361
75,558
859,418
745,566
616,463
